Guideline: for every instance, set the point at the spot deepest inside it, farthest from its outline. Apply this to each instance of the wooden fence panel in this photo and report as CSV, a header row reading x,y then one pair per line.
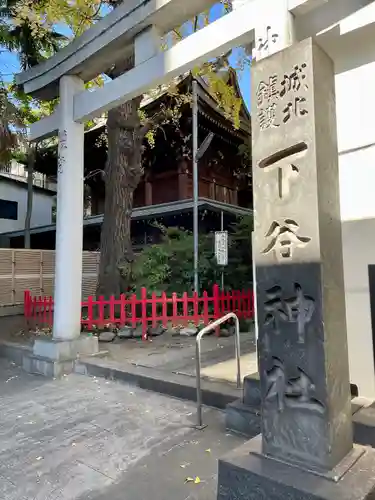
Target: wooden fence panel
x,y
48,262
34,270
6,277
90,270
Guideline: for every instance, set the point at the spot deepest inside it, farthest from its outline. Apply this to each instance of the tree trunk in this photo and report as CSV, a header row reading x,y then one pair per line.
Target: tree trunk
x,y
29,210
122,175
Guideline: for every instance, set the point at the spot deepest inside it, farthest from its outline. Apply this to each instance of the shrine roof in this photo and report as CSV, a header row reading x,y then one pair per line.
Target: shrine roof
x,y
152,211
208,103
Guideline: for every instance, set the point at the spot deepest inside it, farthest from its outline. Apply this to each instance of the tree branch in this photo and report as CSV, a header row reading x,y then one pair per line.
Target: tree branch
x,y
155,121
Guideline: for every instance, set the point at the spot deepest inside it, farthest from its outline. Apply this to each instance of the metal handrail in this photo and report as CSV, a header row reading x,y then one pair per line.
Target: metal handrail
x,y
205,330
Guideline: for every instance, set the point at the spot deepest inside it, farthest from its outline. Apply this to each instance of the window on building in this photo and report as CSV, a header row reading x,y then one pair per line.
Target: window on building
x,y
8,210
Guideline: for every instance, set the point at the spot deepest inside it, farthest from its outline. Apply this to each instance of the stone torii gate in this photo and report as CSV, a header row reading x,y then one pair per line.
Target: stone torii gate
x,y
339,26
267,25
306,448
134,26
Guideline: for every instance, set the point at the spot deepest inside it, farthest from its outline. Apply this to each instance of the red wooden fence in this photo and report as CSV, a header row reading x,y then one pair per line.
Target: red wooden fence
x,y
148,310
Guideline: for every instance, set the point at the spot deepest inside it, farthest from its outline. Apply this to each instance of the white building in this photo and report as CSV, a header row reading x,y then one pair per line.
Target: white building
x,y
13,204
19,172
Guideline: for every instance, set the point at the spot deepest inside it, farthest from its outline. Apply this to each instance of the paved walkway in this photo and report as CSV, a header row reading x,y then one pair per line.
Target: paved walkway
x,y
227,370
90,439
170,353
176,354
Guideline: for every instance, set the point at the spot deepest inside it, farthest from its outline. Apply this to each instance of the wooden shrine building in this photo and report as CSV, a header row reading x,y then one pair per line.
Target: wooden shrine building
x,y
165,193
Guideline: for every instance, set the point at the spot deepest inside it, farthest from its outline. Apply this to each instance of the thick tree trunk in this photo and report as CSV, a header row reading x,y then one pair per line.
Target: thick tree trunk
x,y
29,210
122,175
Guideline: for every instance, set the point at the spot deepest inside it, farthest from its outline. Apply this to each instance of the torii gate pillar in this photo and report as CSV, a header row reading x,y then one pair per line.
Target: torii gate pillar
x,y
69,226
56,357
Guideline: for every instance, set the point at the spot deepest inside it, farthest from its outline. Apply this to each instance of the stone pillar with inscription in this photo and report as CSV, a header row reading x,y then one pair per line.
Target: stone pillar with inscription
x,y
306,448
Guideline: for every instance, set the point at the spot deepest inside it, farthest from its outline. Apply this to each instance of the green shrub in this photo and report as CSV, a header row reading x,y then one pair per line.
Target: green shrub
x,y
169,265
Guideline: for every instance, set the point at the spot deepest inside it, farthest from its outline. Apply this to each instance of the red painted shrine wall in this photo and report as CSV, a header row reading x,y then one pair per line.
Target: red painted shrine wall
x,y
178,185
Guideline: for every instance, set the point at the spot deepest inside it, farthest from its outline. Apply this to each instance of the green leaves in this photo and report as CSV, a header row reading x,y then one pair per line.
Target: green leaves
x,y
168,266
32,41
22,32
77,15
12,129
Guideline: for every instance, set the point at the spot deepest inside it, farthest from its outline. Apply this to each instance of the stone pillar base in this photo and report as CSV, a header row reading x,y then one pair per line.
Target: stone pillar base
x,y
55,358
246,473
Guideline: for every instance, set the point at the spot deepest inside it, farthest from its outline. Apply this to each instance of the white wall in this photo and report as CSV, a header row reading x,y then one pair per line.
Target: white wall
x,y
359,252
356,140
42,206
354,56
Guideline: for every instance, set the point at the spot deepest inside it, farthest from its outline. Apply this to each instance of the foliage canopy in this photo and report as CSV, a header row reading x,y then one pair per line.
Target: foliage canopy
x,y
168,266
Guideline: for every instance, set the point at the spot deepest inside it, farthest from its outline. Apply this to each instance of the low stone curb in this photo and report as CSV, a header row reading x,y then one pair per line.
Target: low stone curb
x,y
215,394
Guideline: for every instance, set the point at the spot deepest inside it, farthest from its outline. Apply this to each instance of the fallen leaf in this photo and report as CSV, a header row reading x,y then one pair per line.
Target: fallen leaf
x,y
195,480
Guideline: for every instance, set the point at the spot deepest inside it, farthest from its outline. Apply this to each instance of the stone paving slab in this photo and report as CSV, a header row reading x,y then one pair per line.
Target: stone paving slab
x,y
227,370
173,353
82,438
215,393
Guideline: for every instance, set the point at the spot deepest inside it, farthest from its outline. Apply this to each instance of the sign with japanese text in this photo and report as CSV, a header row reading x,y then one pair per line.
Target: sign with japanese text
x,y
221,248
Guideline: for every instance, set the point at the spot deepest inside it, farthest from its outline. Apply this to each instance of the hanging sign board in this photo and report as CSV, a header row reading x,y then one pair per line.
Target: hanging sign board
x,y
221,247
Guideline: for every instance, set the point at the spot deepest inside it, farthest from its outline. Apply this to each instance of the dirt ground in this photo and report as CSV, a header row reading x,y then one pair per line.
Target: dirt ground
x,y
15,329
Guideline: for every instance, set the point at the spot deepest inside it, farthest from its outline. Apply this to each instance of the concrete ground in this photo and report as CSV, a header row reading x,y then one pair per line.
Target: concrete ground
x,y
176,354
84,438
169,352
15,329
227,370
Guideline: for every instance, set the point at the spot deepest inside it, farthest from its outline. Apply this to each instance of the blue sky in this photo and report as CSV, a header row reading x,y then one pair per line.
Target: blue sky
x,y
243,76
9,63
244,81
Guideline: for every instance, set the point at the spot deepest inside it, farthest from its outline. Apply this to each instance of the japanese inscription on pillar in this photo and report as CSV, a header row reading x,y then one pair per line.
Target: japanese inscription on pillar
x,y
62,150
267,42
298,257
